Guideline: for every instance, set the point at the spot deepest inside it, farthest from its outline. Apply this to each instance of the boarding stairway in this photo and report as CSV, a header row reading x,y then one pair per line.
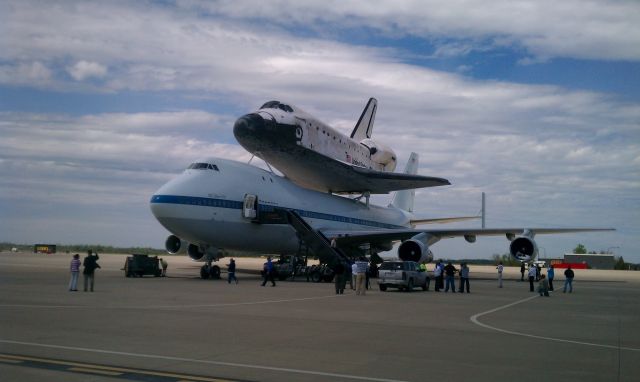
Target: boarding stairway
x,y
316,241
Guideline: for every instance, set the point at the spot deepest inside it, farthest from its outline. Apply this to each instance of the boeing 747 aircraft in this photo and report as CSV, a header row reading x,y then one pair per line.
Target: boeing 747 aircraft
x,y
220,204
315,155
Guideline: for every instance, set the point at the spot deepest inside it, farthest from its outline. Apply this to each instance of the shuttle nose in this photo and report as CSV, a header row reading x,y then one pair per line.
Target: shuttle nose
x,y
251,126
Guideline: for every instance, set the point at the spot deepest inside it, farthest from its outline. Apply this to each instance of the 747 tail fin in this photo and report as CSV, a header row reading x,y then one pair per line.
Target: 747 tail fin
x,y
404,199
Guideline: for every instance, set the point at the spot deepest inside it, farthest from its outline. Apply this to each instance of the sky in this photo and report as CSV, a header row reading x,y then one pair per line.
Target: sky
x,y
535,103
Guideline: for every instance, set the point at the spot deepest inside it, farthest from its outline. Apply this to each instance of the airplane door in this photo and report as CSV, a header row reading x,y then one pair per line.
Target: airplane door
x,y
250,207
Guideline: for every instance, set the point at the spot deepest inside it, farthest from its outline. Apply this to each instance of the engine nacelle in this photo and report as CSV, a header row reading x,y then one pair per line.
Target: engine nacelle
x,y
173,244
381,154
195,253
523,248
415,249
204,252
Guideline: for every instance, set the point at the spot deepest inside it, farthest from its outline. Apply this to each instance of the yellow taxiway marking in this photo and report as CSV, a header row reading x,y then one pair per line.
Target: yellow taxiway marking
x,y
94,371
107,370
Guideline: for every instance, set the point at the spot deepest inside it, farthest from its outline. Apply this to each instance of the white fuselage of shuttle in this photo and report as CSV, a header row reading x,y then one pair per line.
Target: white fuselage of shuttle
x,y
287,137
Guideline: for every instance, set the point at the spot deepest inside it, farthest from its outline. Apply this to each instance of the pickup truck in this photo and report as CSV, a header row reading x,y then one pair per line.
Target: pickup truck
x,y
402,275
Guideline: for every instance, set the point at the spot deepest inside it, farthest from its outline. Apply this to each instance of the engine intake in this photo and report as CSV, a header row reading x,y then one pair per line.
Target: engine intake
x,y
194,252
415,249
523,248
173,244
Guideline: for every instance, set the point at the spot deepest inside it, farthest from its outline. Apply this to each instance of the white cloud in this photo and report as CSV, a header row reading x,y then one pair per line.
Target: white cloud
x,y
33,73
547,28
82,70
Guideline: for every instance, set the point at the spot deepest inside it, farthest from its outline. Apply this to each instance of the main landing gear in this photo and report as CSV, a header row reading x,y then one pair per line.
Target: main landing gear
x,y
210,271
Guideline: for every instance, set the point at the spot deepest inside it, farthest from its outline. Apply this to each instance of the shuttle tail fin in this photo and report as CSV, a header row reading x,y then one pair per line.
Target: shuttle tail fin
x,y
404,199
364,127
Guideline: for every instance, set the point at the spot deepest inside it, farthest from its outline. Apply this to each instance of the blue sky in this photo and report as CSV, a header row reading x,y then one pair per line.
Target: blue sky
x,y
535,103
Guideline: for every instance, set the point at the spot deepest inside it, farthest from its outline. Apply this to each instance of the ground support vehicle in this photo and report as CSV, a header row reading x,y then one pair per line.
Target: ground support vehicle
x,y
140,265
402,275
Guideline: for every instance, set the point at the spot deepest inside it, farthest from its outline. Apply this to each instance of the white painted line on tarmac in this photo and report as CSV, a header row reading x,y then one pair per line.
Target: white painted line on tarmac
x,y
183,306
475,317
202,361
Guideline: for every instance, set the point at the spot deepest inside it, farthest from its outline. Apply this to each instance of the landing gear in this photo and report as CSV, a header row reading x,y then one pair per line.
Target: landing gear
x,y
210,271
214,272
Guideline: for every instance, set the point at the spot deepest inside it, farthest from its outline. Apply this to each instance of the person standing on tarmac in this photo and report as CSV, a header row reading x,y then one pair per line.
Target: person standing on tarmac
x,y
532,276
75,271
423,268
449,272
361,276
522,269
464,278
164,265
568,280
354,274
340,281
268,273
437,274
500,268
231,271
551,273
90,264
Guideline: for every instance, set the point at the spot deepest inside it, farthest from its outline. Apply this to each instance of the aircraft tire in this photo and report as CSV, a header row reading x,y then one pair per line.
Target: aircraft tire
x,y
383,287
214,272
204,272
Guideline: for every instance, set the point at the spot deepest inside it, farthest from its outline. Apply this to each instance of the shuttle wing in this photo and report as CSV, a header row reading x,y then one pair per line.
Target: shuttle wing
x,y
316,171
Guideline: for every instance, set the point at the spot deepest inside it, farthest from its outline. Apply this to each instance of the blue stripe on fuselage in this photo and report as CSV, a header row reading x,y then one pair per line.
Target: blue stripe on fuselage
x,y
237,205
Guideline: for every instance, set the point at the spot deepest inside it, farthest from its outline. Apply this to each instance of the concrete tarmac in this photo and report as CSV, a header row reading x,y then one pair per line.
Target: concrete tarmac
x,y
184,328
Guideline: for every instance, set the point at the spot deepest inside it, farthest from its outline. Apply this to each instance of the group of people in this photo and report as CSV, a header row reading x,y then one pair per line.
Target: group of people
x,y
444,276
359,271
90,264
545,282
358,274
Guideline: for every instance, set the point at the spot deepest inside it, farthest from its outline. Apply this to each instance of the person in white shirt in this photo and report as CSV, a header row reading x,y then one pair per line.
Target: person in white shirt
x,y
437,274
500,268
532,276
354,273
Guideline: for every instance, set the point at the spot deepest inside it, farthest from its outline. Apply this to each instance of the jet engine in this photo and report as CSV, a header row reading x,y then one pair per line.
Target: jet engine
x,y
415,249
194,252
523,248
381,154
173,244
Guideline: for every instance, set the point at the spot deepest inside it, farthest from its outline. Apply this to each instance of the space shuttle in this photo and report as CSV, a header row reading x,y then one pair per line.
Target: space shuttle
x,y
317,156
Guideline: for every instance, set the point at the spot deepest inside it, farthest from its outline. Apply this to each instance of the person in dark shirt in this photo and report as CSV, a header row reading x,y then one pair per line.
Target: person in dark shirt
x,y
449,273
90,264
340,280
568,280
231,271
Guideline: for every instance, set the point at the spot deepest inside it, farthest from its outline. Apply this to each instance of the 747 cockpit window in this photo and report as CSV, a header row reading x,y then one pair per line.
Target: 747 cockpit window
x,y
277,105
203,166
